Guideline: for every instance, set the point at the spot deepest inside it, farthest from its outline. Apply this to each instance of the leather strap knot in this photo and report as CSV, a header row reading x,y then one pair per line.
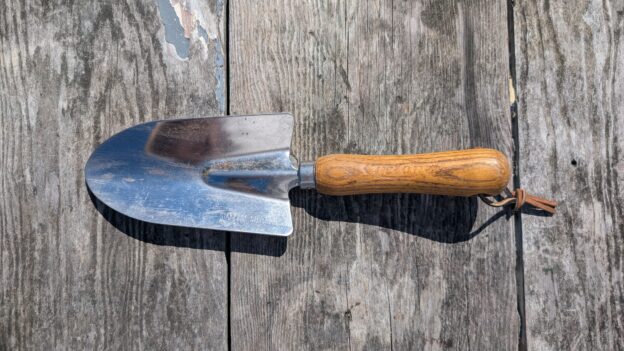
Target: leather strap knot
x,y
520,198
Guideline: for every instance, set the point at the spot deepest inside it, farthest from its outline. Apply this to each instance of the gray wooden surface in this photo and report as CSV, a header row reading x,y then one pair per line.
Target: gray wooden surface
x,y
570,79
361,272
377,272
71,75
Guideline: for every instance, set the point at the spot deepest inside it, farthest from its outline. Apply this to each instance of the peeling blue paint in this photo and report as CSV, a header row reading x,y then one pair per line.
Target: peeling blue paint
x,y
219,8
219,67
202,32
174,32
220,64
220,76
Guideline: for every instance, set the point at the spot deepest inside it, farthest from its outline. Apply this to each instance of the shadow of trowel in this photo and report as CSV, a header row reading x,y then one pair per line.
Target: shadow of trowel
x,y
443,219
438,218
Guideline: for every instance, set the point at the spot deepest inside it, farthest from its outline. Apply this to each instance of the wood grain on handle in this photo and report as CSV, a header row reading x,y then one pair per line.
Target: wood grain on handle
x,y
457,173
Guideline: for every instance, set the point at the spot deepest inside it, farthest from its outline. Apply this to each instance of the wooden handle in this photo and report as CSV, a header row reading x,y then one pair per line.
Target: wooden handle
x,y
456,173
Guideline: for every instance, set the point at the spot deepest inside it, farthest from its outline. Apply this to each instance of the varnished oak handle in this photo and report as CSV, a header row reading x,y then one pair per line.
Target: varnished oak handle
x,y
456,173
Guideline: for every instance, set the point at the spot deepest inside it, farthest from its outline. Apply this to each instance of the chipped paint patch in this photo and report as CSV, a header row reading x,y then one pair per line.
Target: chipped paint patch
x,y
175,33
185,16
187,21
191,22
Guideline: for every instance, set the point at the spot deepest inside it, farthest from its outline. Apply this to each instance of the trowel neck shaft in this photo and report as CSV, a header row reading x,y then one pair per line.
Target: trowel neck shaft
x,y
306,175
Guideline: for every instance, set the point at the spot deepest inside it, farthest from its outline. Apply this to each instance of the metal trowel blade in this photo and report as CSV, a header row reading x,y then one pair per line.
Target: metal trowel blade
x,y
220,173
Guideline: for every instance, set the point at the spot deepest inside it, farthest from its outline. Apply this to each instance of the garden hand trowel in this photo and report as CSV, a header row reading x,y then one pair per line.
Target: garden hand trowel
x,y
234,173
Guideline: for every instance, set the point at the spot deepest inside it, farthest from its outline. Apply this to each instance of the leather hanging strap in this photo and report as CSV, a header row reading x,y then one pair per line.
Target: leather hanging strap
x,y
520,198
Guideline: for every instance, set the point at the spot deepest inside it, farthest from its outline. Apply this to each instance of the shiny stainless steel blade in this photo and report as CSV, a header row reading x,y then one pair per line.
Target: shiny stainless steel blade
x,y
222,173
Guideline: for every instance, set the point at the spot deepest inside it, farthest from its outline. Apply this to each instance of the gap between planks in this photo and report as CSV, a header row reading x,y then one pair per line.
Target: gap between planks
x,y
515,132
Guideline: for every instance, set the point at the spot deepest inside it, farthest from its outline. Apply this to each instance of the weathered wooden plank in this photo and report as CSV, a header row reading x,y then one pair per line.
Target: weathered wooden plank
x,y
71,75
570,65
377,272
